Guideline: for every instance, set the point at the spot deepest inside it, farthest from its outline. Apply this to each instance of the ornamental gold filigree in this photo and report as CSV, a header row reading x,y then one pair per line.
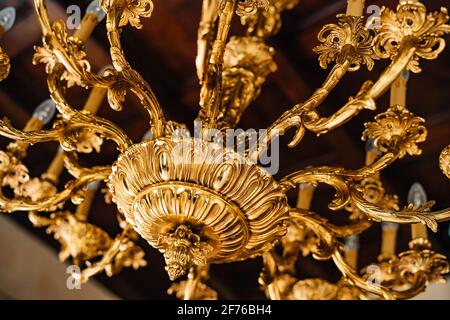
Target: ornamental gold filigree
x,y
83,242
411,22
134,10
46,55
248,7
421,260
444,161
194,288
247,63
314,289
37,189
238,221
5,65
374,192
200,203
88,141
13,172
409,271
397,131
79,240
348,40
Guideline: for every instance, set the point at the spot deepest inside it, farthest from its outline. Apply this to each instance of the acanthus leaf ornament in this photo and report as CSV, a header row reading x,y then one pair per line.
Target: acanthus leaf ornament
x,y
5,65
397,131
248,7
347,40
444,161
247,63
13,172
46,55
194,287
84,242
412,23
134,10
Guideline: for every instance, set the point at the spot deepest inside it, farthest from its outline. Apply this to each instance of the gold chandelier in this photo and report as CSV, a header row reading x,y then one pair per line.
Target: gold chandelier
x,y
201,203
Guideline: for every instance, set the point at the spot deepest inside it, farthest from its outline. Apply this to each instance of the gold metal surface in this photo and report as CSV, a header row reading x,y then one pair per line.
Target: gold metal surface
x,y
201,203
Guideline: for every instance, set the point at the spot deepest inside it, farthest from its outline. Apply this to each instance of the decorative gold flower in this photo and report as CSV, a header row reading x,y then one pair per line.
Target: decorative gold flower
x,y
374,192
412,22
314,289
349,39
202,291
46,55
444,161
130,255
83,140
303,236
88,141
134,10
14,173
398,131
37,189
248,7
426,262
5,65
80,240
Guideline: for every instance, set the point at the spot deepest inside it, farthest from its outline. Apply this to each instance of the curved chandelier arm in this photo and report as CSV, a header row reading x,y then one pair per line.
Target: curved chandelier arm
x,y
76,170
212,83
344,182
205,34
334,250
32,137
68,52
304,117
130,78
324,174
57,41
72,187
97,124
108,256
296,116
408,215
306,217
404,45
418,286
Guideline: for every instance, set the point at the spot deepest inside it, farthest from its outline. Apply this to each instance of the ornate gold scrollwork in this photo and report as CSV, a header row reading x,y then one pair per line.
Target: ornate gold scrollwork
x,y
444,161
348,40
397,131
5,65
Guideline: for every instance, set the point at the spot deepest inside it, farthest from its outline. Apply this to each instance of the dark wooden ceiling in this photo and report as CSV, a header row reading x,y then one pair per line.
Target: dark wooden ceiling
x,y
164,52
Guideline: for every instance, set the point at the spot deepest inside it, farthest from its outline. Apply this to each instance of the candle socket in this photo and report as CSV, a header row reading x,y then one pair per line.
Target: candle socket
x,y
355,8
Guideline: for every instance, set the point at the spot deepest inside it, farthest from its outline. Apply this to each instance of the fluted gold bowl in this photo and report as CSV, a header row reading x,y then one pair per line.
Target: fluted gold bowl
x,y
197,202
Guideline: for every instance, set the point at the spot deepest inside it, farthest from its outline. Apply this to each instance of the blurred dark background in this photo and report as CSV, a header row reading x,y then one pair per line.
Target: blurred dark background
x,y
164,52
